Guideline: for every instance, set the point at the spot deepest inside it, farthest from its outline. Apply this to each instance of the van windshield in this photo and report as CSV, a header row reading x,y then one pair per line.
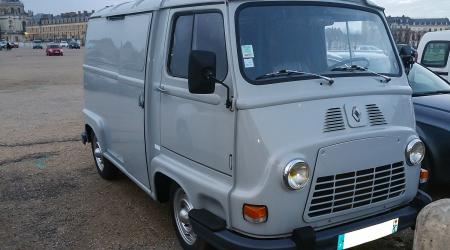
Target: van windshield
x,y
322,40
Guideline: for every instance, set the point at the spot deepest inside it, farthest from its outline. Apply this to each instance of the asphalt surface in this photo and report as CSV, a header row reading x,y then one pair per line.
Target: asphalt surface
x,y
51,196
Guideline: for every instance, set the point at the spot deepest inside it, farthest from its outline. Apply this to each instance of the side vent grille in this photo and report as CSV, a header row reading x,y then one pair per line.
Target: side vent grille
x,y
376,117
334,120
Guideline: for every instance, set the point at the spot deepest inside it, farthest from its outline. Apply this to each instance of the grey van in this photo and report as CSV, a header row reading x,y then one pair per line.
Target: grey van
x,y
258,121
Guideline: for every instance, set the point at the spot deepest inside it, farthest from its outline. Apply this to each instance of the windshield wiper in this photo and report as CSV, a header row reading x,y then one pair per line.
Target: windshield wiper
x,y
353,68
287,72
441,92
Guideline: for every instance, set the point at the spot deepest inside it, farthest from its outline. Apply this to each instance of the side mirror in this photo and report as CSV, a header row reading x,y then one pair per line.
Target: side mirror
x,y
408,58
202,72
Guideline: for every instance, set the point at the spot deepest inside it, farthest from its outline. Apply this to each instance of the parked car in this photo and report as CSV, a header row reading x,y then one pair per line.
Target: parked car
x,y
74,45
2,44
54,49
14,45
63,44
310,153
37,44
432,107
369,48
434,50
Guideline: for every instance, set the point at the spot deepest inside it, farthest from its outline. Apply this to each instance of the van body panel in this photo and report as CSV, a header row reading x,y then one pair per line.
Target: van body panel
x,y
114,77
208,188
188,122
153,77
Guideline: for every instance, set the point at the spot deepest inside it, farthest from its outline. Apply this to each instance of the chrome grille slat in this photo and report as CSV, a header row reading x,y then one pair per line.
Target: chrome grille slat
x,y
351,190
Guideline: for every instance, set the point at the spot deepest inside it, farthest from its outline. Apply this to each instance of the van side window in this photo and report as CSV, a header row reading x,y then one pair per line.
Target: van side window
x,y
436,54
204,31
181,46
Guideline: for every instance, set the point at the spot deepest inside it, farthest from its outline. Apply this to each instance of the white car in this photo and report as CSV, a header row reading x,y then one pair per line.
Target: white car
x,y
369,48
434,52
64,44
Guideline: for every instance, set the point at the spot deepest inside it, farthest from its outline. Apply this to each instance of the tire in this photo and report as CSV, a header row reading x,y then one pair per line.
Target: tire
x,y
104,167
186,236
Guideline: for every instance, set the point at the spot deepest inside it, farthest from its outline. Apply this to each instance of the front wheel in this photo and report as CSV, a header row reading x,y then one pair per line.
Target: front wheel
x,y
180,205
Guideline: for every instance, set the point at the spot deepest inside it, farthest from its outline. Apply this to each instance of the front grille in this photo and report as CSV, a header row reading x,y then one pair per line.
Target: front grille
x,y
376,117
334,120
336,193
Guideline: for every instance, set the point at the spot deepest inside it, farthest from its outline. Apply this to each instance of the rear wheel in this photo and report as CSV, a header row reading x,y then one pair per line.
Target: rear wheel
x,y
104,167
180,205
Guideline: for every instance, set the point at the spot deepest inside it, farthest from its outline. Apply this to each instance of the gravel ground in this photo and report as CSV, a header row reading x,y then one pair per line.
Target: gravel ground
x,y
50,194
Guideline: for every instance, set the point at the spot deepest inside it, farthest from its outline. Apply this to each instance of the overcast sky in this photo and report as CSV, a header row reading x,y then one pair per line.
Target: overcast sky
x,y
413,8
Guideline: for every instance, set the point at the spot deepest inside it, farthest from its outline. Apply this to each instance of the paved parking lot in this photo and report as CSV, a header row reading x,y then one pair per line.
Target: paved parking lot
x,y
50,194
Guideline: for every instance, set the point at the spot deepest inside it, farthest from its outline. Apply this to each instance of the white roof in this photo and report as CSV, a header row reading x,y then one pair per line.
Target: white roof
x,y
442,35
138,6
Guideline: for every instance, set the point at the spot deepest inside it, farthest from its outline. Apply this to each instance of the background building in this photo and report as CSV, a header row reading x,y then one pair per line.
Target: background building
x,y
67,26
13,19
408,30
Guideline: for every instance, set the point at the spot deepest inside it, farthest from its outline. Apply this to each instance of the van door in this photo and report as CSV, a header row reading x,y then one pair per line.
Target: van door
x,y
198,127
436,57
128,126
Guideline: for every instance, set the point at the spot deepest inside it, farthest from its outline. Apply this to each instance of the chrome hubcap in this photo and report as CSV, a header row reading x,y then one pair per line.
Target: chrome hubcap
x,y
98,154
181,207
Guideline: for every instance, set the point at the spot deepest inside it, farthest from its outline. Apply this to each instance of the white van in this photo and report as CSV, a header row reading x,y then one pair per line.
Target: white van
x,y
259,121
434,50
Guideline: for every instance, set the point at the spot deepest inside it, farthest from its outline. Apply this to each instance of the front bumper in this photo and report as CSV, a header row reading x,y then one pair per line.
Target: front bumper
x,y
212,229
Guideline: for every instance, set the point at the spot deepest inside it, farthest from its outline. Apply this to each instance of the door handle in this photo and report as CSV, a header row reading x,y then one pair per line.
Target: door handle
x,y
161,89
141,100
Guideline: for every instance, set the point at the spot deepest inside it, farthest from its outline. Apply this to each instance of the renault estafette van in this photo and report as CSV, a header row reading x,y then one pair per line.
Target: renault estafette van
x,y
434,51
259,121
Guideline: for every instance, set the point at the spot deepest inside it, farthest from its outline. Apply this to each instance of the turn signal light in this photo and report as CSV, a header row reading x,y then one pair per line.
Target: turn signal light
x,y
424,175
255,213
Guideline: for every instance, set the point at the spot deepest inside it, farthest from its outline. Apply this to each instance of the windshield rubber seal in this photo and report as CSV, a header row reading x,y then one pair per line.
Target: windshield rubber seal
x,y
309,3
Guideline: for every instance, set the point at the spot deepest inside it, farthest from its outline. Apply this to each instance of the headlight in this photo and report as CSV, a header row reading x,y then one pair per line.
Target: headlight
x,y
296,174
415,152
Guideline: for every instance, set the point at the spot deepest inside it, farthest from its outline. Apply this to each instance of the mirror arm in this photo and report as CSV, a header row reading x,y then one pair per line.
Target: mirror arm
x,y
229,103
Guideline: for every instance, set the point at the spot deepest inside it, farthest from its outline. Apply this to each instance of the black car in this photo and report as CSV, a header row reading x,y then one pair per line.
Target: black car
x,y
74,45
431,97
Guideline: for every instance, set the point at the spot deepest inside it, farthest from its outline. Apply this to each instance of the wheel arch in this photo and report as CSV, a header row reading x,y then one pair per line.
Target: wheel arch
x,y
94,125
196,184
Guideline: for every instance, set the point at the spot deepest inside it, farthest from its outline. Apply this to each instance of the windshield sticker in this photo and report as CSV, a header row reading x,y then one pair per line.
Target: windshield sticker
x,y
247,51
248,63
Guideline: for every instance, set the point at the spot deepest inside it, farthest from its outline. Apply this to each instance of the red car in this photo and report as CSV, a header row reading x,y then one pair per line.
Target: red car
x,y
54,50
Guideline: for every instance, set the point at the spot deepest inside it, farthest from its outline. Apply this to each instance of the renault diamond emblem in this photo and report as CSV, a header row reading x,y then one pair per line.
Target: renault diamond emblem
x,y
356,114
